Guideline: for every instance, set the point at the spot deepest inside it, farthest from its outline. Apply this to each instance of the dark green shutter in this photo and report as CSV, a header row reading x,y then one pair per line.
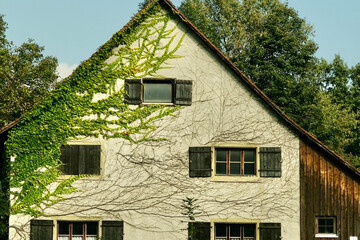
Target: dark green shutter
x,y
69,159
112,230
41,229
89,162
199,230
270,162
80,159
270,231
133,91
183,92
200,162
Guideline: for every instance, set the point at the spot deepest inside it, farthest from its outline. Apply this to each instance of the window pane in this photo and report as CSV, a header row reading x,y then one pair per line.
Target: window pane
x,y
158,92
235,155
235,230
249,168
92,228
330,229
235,168
220,230
249,156
322,221
77,228
220,168
63,227
329,222
326,225
322,229
249,230
221,155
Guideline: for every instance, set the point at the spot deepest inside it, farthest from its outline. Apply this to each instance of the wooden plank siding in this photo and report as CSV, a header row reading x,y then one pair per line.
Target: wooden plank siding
x,y
327,189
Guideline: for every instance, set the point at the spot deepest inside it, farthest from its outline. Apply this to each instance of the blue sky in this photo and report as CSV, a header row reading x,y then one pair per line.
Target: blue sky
x,y
72,30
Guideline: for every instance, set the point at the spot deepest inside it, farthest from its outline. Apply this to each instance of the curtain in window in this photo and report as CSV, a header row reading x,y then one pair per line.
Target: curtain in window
x,y
91,238
63,238
77,238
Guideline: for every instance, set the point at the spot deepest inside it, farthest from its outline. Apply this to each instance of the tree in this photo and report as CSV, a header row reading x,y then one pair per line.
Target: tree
x,y
266,39
26,76
143,4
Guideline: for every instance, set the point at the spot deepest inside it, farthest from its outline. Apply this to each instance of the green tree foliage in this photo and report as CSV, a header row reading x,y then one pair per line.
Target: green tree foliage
x,y
143,4
266,39
354,147
26,76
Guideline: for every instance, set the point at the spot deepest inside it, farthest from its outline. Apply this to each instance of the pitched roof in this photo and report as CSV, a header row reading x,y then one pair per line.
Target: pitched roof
x,y
303,134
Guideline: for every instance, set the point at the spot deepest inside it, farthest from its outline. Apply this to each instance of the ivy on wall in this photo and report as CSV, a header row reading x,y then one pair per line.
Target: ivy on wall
x,y
75,110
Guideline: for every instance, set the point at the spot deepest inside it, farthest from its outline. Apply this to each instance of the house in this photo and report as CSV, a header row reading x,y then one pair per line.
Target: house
x,y
171,141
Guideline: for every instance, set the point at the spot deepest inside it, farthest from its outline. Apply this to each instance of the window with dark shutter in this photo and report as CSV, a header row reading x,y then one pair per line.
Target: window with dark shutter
x,y
270,231
270,162
199,230
183,92
112,230
41,229
77,230
200,162
158,91
80,159
133,91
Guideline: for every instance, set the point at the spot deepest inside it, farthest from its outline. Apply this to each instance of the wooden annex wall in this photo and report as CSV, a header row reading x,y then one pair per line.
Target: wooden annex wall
x,y
327,189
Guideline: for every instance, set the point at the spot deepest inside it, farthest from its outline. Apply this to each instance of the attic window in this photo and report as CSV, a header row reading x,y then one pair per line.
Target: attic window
x,y
158,91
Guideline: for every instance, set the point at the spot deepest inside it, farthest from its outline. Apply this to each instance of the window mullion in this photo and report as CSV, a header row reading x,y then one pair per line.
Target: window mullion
x,y
84,231
228,230
228,162
242,232
242,162
70,231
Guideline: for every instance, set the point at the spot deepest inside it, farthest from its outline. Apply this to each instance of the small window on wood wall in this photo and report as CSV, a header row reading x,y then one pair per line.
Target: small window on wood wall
x,y
325,227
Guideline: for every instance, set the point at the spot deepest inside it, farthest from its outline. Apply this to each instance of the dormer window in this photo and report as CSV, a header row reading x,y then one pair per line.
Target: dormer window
x,y
158,91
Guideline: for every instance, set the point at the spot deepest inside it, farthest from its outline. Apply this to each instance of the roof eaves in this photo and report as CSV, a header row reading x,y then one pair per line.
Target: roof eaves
x,y
9,126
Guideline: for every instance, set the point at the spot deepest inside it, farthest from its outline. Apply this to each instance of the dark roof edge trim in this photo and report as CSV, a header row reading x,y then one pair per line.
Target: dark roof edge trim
x,y
9,126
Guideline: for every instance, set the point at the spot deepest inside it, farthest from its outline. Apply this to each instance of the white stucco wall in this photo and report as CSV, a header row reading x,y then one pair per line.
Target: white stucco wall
x,y
144,184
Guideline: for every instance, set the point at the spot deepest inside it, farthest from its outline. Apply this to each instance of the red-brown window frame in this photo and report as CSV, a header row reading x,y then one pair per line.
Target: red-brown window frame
x,y
242,161
70,234
241,225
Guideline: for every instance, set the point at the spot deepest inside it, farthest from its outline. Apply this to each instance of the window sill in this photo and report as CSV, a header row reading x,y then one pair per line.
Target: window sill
x,y
91,177
157,103
326,235
235,178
